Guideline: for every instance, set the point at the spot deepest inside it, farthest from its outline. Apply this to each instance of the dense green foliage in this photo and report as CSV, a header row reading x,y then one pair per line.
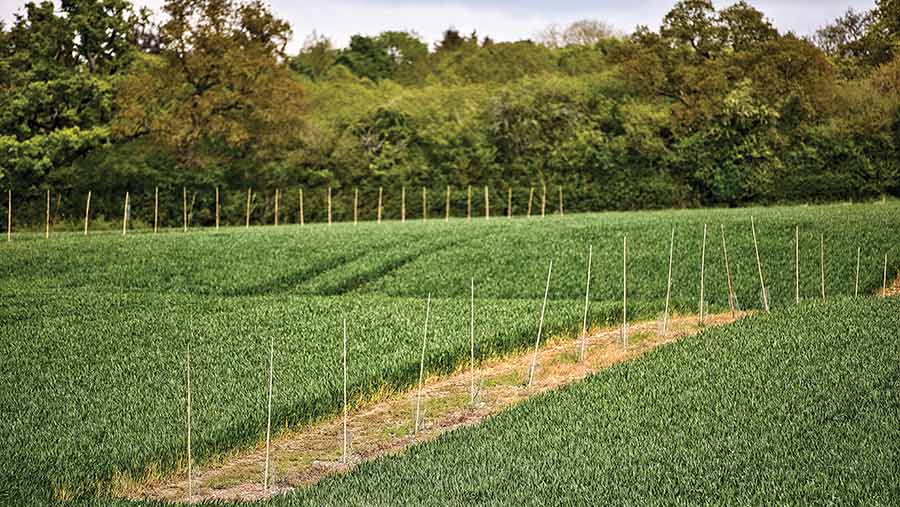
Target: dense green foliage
x,y
795,408
94,331
716,107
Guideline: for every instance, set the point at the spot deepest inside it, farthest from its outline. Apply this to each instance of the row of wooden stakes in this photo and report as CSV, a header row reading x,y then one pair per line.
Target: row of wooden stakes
x,y
187,211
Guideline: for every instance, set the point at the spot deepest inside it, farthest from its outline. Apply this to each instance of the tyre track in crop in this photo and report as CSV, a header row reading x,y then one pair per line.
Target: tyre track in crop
x,y
303,456
287,282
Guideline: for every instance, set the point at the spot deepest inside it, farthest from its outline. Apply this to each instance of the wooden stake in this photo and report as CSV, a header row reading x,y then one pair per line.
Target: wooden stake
x,y
447,206
797,264
422,366
329,205
543,200
218,209
380,194
47,221
702,273
884,280
472,343
9,215
625,292
856,284
277,192
487,203
249,195
355,206
87,212
402,204
762,282
302,214
537,340
156,211
189,475
822,263
561,213
469,205
269,413
344,359
665,327
587,293
424,204
530,200
125,216
731,298
184,206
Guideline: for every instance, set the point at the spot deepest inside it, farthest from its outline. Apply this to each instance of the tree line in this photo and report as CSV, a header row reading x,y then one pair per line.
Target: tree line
x,y
716,107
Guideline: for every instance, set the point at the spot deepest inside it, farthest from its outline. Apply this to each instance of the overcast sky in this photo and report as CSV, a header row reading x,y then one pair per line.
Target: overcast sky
x,y
503,19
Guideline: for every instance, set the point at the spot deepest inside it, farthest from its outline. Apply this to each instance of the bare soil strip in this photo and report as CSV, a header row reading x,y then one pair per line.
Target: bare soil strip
x,y
305,455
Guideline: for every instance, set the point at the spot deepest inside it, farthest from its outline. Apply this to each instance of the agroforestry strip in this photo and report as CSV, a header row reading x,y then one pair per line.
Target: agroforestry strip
x,y
715,108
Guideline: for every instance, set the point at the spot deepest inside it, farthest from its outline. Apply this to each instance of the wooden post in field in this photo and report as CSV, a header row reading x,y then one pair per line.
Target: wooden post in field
x,y
269,414
302,214
344,360
797,264
561,212
422,367
125,216
87,212
9,215
487,203
184,206
249,195
47,221
625,292
731,298
355,206
156,211
380,207
702,274
277,192
329,205
587,294
762,282
822,263
537,340
856,284
544,200
508,202
218,209
447,206
424,204
530,200
472,343
402,204
665,326
189,475
469,205
884,280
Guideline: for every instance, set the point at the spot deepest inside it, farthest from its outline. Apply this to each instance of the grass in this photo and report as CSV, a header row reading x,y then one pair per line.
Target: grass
x,y
795,408
93,331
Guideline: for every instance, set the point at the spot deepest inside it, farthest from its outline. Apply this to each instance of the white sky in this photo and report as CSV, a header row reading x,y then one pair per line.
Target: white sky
x,y
502,19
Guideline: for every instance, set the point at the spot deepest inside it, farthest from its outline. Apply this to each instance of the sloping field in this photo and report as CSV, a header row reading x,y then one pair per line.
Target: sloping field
x,y
799,407
94,331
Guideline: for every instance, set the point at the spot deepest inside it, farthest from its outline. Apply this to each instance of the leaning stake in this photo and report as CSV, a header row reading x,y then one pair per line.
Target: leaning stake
x,y
856,284
472,343
190,491
537,340
587,292
665,326
249,195
422,366
344,360
87,212
822,263
380,207
762,283
47,222
487,204
218,209
184,206
156,211
269,413
125,216
884,280
797,264
625,292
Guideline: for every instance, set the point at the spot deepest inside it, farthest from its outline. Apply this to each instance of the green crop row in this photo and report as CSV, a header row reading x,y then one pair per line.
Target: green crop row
x,y
796,408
